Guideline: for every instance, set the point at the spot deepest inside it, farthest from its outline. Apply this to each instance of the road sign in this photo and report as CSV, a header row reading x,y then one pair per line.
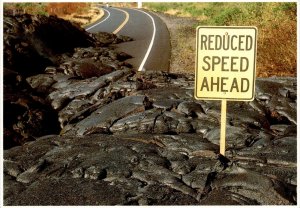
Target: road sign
x,y
225,63
225,67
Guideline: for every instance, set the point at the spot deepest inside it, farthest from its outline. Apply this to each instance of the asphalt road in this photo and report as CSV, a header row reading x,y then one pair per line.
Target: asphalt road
x,y
151,46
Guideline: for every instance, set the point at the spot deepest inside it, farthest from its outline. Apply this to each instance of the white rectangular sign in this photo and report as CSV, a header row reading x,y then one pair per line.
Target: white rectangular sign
x,y
225,63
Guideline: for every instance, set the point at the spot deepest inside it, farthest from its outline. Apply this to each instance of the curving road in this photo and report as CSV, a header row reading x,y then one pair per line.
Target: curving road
x,y
151,46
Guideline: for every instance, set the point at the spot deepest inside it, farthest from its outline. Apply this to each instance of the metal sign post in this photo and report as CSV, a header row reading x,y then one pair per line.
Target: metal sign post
x,y
225,67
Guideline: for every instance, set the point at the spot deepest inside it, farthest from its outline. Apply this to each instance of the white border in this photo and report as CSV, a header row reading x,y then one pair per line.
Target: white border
x,y
1,85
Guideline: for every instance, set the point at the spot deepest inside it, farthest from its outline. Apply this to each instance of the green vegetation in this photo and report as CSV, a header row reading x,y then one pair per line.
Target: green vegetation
x,y
276,23
179,8
79,13
219,13
59,9
30,8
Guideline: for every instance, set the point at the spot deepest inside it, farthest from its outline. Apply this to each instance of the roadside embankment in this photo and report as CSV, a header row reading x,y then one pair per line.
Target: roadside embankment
x,y
276,23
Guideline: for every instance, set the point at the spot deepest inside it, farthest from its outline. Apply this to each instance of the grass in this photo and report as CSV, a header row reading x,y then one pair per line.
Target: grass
x,y
276,23
58,9
30,8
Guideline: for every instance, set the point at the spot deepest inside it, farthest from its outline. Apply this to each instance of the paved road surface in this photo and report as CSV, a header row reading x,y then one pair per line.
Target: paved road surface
x,y
151,46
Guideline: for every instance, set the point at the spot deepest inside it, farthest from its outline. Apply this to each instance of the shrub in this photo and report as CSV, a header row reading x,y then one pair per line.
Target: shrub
x,y
226,17
65,8
22,8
